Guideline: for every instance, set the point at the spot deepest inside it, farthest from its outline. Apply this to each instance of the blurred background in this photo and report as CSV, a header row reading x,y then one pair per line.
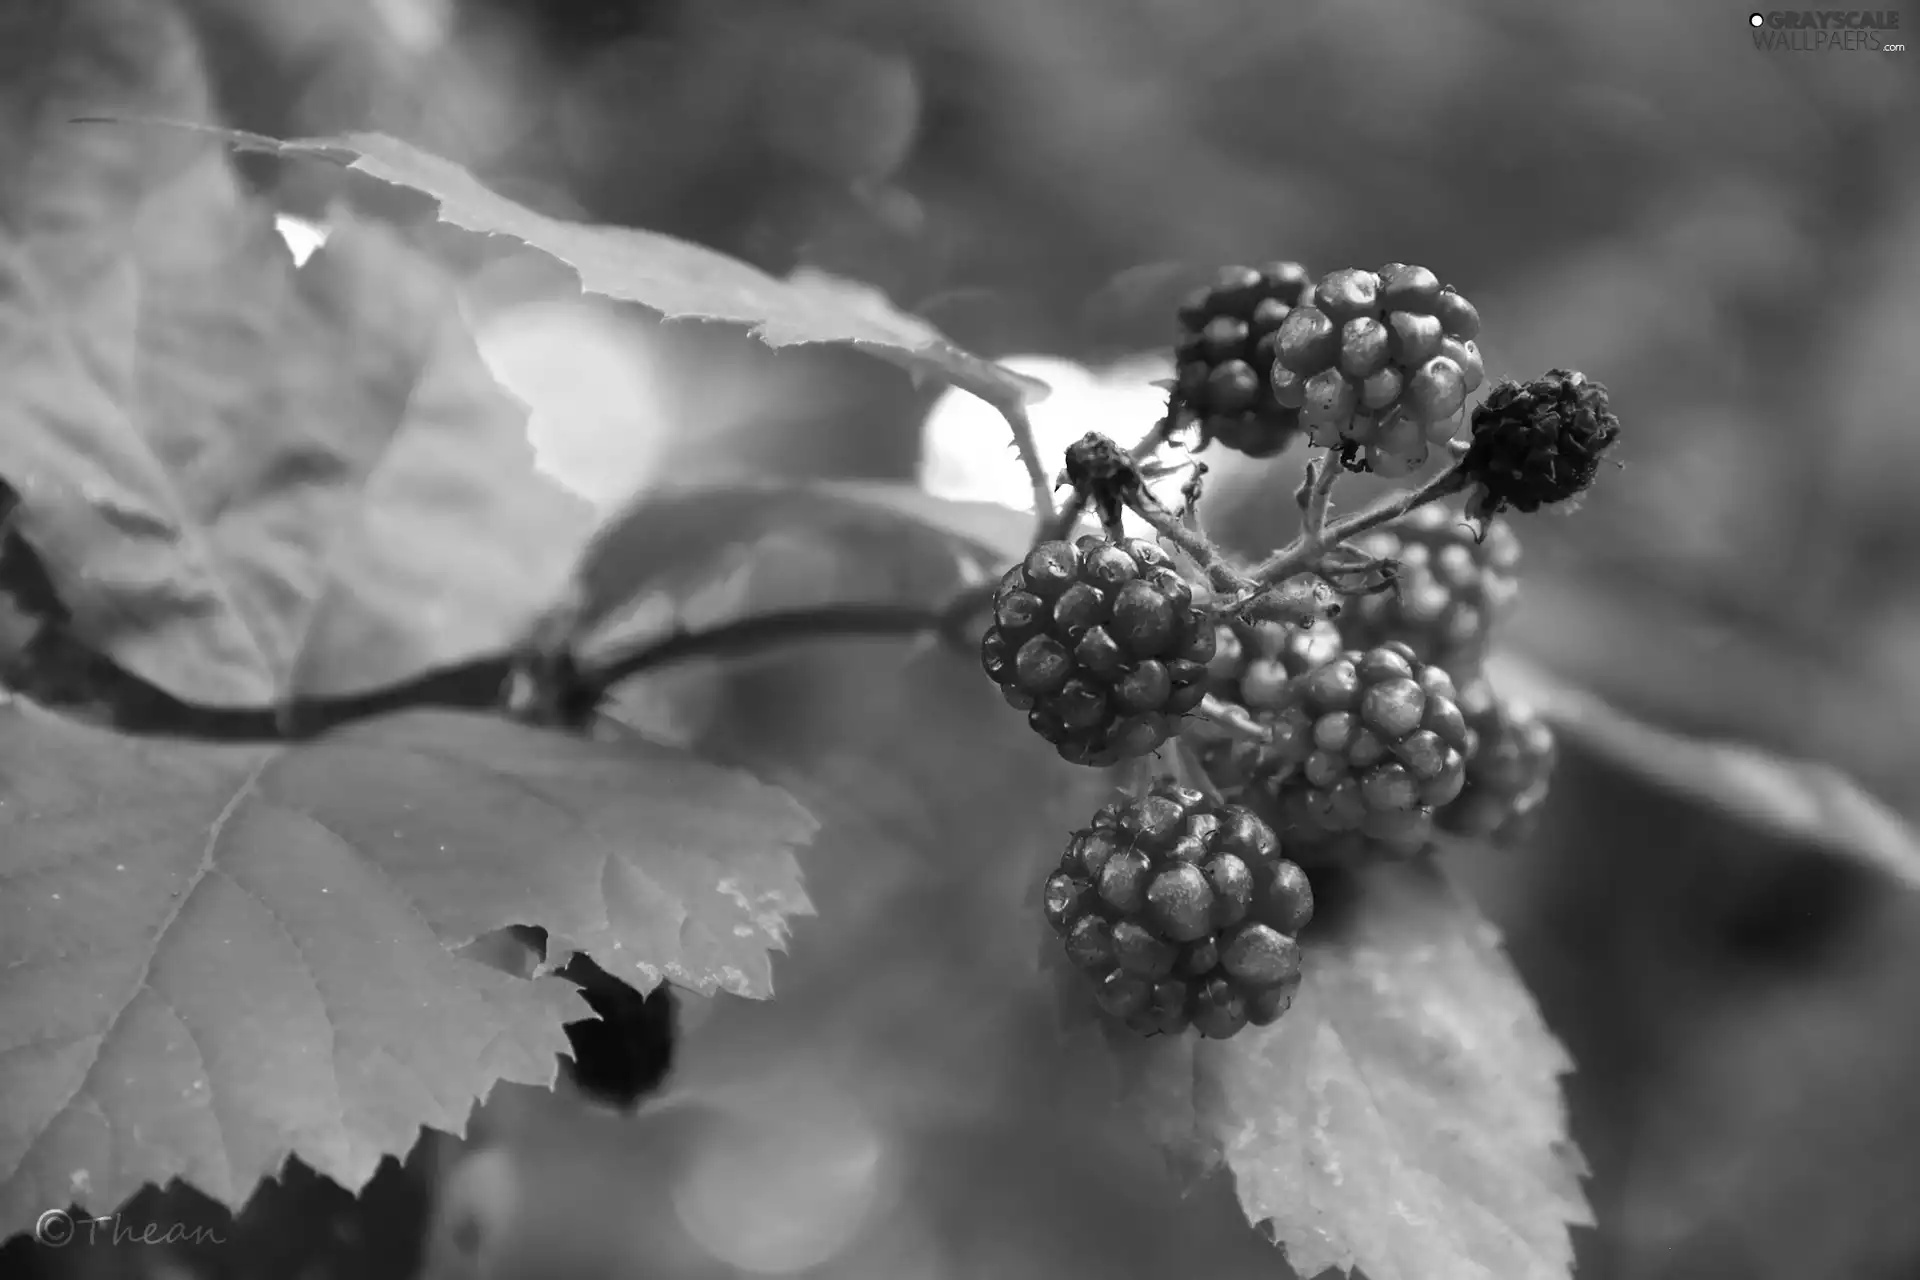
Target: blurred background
x,y
1729,238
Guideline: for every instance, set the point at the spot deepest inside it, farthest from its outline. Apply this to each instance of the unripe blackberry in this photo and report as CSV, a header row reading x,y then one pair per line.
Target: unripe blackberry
x,y
1452,591
1255,668
1380,362
1510,772
1101,644
1224,353
1183,913
1537,443
1380,743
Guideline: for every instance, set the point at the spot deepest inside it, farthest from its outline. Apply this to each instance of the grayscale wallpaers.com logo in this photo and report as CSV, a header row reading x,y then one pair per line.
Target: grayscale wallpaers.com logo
x,y
1827,30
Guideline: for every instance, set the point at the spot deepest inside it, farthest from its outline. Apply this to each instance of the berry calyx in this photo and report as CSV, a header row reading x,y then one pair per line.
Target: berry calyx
x,y
1101,644
1183,913
1103,475
1227,344
1455,585
1537,443
1510,772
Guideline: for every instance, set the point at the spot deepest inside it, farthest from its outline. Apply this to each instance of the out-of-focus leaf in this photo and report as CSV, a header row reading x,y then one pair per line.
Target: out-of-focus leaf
x,y
677,278
248,483
915,996
1405,1117
1801,799
814,544
214,956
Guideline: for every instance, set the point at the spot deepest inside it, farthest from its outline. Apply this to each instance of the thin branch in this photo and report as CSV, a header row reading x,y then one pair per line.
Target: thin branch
x,y
1060,524
1320,482
1015,412
1189,770
1304,553
1190,494
954,615
1221,576
1449,482
746,636
1234,719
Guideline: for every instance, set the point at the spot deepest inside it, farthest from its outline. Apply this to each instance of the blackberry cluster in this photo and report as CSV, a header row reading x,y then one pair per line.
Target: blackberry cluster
x,y
1183,912
1511,768
1226,346
1100,643
1453,589
1381,743
1378,363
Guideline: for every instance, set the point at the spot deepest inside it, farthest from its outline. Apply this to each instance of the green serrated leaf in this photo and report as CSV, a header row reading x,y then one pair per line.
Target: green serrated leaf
x,y
1405,1117
677,278
248,484
1804,800
213,956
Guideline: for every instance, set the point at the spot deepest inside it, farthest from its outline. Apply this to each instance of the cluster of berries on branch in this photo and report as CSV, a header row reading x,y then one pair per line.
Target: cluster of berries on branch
x,y
1317,733
1225,357
1508,774
1452,585
1183,912
1100,643
1537,443
1376,364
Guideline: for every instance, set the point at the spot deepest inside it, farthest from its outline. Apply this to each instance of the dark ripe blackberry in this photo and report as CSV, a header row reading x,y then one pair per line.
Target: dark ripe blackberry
x,y
1510,772
1537,443
1182,912
1369,746
1454,588
1225,350
1379,364
1101,644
